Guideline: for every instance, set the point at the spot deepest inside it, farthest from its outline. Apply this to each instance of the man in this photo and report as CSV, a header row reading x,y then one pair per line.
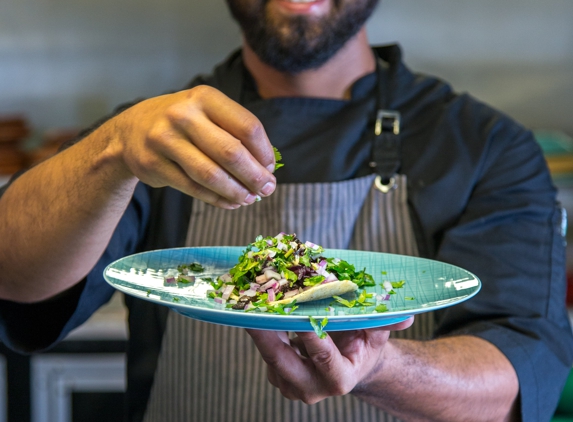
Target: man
x,y
448,177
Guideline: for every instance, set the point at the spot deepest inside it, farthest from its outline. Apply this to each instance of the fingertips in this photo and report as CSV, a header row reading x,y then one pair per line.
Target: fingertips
x,y
401,325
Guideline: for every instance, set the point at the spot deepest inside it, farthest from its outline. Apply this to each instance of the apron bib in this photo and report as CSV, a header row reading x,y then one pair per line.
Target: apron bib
x,y
214,373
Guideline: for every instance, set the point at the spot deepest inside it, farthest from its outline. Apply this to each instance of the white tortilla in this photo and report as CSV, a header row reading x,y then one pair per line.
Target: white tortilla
x,y
321,291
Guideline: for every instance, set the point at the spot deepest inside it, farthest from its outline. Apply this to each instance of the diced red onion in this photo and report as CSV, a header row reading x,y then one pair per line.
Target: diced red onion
x,y
330,278
387,286
248,306
227,291
271,294
280,236
220,300
169,281
330,310
268,285
272,274
311,245
282,282
254,286
232,301
271,254
226,278
281,246
288,310
249,293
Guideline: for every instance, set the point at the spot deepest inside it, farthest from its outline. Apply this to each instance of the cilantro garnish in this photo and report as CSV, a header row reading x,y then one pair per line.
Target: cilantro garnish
x,y
313,281
409,298
381,308
362,298
348,304
319,327
397,284
194,266
278,158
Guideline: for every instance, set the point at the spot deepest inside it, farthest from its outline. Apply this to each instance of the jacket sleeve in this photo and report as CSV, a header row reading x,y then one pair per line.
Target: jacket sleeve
x,y
511,235
34,327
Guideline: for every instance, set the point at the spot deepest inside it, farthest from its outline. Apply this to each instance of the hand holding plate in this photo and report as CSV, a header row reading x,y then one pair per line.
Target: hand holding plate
x,y
311,369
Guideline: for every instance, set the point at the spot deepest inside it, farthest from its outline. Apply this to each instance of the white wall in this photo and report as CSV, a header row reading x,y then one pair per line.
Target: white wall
x,y
66,62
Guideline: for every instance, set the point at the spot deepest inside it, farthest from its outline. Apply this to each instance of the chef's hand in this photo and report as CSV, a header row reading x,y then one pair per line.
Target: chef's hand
x,y
310,369
200,142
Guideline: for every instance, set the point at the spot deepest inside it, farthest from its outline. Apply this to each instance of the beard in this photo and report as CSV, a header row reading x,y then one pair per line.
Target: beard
x,y
298,43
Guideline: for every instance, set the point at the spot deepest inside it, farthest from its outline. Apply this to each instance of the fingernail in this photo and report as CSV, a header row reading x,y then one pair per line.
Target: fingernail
x,y
268,188
271,168
250,199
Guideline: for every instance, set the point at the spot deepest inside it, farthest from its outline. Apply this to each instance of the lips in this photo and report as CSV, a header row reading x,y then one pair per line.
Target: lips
x,y
312,7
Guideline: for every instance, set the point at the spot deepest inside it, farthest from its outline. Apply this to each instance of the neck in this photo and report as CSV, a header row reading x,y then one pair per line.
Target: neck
x,y
334,79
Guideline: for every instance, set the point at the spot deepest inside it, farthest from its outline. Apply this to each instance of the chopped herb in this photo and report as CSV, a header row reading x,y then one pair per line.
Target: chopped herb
x,y
381,308
194,266
278,159
384,273
348,304
175,299
409,298
313,281
319,327
148,293
362,298
398,284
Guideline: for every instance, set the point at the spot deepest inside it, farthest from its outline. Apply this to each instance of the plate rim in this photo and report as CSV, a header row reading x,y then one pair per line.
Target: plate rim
x,y
253,316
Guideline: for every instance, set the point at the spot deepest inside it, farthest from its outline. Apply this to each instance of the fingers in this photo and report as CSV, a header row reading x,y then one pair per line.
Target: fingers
x,y
240,123
400,325
200,142
230,135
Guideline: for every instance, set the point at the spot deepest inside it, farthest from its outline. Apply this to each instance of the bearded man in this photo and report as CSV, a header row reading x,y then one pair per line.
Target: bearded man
x,y
377,158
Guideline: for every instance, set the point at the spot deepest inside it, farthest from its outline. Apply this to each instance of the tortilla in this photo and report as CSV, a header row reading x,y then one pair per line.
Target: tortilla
x,y
320,291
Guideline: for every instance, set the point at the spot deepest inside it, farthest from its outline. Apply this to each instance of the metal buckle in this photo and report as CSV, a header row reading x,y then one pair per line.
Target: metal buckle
x,y
383,115
385,188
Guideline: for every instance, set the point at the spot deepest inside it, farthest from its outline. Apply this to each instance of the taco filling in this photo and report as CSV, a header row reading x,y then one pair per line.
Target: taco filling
x,y
274,272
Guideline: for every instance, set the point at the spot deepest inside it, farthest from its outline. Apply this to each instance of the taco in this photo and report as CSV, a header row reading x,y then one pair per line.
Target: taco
x,y
276,271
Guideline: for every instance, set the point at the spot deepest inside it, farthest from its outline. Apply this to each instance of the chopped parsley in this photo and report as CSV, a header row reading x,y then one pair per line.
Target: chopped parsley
x,y
319,327
194,267
278,159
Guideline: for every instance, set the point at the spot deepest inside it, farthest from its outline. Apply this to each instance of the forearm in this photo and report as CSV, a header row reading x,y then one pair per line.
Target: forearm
x,y
57,218
451,379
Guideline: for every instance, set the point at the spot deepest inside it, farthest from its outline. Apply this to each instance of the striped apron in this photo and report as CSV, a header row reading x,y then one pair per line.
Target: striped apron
x,y
214,373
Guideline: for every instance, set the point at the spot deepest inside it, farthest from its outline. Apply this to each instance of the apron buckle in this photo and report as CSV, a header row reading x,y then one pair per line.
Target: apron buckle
x,y
385,186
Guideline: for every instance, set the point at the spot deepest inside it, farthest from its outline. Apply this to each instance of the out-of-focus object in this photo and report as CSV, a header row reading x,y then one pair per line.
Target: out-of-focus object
x,y
558,150
52,140
13,131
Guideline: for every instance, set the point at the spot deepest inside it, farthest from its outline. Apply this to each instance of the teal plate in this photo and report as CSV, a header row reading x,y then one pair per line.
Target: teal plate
x,y
429,285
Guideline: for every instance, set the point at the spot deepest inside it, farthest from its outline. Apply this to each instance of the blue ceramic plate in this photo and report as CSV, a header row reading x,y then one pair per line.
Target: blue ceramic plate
x,y
429,285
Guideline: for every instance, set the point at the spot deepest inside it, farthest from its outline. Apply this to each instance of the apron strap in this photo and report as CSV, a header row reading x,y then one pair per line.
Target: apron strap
x,y
386,147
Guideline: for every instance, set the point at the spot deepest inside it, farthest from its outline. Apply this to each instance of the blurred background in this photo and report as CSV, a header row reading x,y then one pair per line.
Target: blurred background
x,y
65,63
